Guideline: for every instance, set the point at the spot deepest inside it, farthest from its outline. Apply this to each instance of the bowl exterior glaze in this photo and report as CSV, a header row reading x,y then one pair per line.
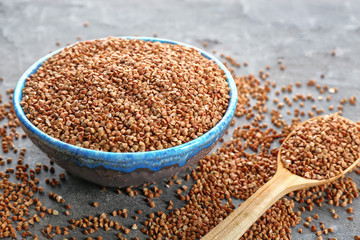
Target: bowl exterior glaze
x,y
125,169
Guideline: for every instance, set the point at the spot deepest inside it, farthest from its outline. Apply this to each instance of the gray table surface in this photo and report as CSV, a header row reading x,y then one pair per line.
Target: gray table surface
x,y
300,33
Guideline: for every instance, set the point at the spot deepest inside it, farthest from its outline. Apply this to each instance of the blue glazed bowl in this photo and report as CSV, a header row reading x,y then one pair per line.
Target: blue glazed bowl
x,y
125,169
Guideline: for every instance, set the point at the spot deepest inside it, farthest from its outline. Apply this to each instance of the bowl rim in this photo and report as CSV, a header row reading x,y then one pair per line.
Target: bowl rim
x,y
127,157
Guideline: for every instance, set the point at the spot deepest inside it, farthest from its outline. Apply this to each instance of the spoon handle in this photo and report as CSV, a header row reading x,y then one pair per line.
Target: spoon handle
x,y
242,218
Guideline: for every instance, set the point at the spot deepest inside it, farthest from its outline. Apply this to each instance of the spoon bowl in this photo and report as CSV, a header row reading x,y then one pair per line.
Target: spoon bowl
x,y
282,183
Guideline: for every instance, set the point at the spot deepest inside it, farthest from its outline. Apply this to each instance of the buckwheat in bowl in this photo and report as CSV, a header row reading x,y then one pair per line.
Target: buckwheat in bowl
x,y
126,111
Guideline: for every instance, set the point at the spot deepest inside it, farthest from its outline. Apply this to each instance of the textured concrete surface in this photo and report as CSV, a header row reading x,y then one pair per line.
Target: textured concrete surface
x,y
301,34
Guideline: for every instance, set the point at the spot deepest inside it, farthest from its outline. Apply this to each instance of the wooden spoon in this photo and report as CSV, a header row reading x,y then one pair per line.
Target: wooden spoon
x,y
283,182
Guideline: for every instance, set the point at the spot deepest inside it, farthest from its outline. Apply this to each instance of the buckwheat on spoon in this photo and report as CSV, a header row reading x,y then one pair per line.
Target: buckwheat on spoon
x,y
319,151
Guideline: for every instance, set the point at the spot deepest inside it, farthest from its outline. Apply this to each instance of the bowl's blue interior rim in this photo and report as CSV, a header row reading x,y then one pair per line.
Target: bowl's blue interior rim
x,y
127,156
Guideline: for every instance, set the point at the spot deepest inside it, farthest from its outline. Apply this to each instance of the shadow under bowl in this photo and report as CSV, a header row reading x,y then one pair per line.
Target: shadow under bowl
x,y
125,169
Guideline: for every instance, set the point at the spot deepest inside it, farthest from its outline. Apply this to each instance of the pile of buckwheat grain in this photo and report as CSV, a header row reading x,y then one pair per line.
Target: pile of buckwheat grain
x,y
126,95
322,148
20,207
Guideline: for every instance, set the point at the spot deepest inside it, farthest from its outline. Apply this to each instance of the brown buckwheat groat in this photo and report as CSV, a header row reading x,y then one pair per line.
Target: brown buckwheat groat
x,y
126,95
322,148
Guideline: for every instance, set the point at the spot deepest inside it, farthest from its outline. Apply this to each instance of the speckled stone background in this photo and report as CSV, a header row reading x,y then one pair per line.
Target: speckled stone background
x,y
301,34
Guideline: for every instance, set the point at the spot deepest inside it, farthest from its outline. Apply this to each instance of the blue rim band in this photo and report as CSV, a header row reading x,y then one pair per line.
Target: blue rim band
x,y
128,162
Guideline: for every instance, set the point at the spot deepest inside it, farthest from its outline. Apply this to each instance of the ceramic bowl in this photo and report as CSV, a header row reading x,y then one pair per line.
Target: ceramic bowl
x,y
125,169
